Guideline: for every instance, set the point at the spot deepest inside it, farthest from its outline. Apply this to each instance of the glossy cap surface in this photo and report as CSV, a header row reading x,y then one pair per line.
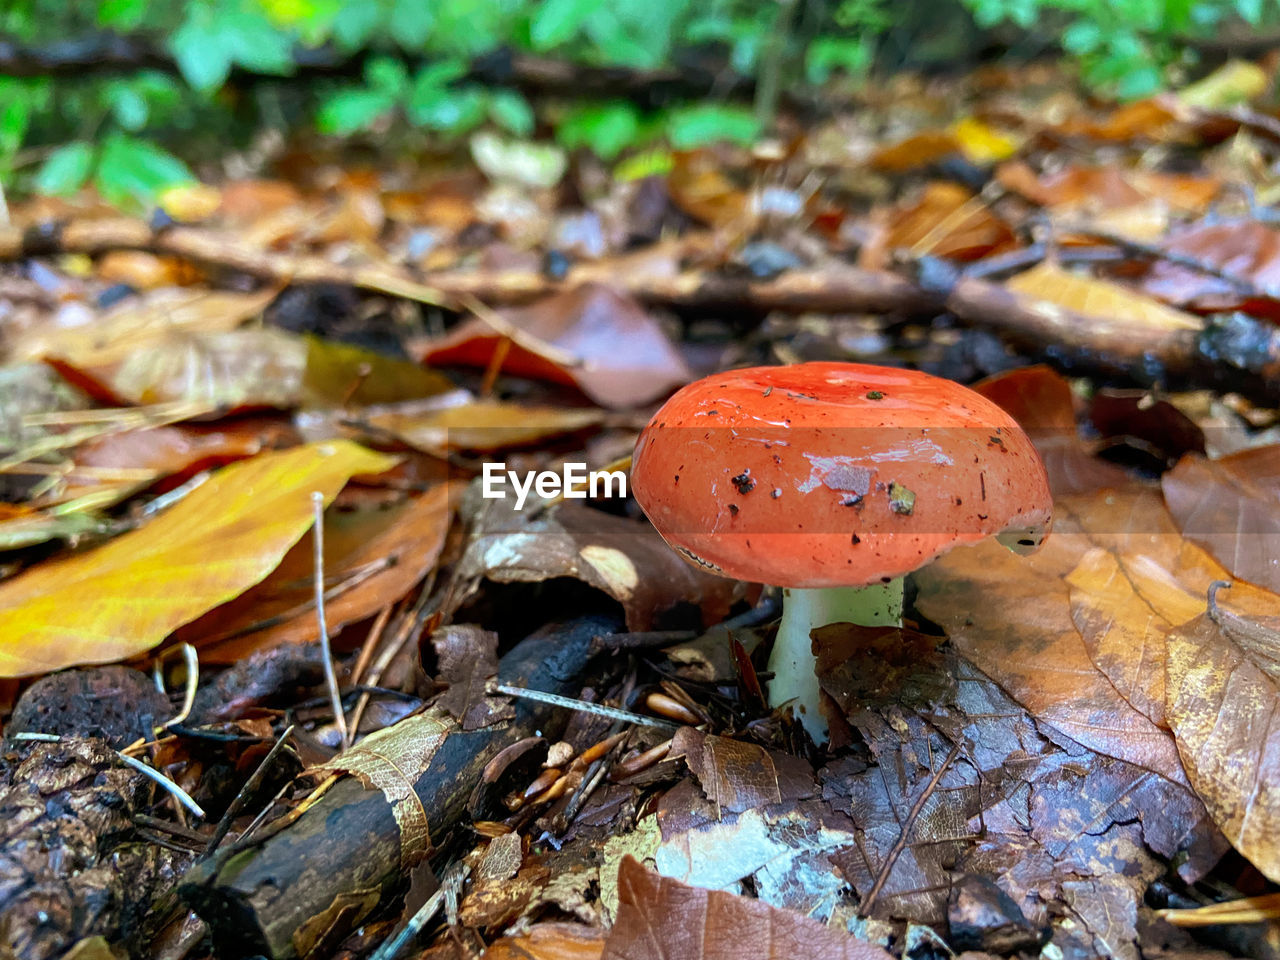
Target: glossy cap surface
x,y
835,474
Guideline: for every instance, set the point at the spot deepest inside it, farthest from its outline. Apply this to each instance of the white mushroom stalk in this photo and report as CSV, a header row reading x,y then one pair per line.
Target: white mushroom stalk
x,y
792,663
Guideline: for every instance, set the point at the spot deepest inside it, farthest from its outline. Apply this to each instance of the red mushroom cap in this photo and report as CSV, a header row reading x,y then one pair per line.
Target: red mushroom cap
x,y
835,474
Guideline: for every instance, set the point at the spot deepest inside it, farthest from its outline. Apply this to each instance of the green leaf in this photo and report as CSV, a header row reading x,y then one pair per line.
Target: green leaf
x,y
387,75
512,112
607,129
66,169
134,171
128,105
411,22
15,118
696,126
556,21
451,109
198,47
356,23
1083,36
827,54
122,14
347,111
1141,80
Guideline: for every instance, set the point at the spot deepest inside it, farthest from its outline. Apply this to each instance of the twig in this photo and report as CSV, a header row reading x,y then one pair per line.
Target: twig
x,y
886,868
600,710
178,793
250,787
450,884
330,677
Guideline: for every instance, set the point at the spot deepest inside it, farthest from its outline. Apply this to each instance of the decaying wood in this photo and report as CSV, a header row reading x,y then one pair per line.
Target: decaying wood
x,y
299,890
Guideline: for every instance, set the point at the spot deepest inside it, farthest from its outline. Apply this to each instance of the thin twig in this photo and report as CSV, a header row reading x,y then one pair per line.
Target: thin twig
x,y
600,710
178,793
450,884
870,899
248,790
330,677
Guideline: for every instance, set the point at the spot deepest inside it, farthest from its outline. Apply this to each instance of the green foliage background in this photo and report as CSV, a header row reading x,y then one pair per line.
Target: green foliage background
x,y
123,130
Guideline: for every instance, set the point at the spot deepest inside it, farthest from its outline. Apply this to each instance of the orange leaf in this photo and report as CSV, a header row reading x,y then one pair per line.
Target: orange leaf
x,y
127,595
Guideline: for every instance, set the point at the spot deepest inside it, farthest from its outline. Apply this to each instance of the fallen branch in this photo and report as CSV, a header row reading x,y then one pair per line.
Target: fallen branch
x,y
1142,353
293,891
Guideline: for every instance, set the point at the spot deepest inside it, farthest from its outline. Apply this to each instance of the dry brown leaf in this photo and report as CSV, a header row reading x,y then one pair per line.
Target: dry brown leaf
x,y
390,760
1011,616
1231,507
1222,698
661,919
135,325
1039,398
737,776
621,357
1245,249
126,596
468,657
625,559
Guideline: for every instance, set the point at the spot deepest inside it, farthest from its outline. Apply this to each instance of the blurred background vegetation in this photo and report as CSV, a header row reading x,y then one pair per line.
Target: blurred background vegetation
x,y
127,94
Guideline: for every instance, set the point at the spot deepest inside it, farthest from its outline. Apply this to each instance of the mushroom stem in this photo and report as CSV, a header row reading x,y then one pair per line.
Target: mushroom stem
x,y
792,662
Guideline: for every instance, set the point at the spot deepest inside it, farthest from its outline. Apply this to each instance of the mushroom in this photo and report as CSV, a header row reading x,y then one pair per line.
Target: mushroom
x,y
834,481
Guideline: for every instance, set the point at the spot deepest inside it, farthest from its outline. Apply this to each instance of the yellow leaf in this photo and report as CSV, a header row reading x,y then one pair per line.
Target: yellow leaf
x,y
982,144
126,596
1108,303
1235,82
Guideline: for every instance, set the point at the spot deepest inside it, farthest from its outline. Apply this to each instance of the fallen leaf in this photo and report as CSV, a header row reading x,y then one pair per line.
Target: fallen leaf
x,y
1231,507
1222,692
949,221
1110,306
379,554
1245,249
126,596
619,355
468,657
737,776
483,425
1233,83
661,919
136,324
625,559
1039,398
915,151
550,941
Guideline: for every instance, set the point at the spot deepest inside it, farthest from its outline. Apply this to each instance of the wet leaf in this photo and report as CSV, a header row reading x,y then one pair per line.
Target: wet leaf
x,y
1231,507
124,597
714,925
591,337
